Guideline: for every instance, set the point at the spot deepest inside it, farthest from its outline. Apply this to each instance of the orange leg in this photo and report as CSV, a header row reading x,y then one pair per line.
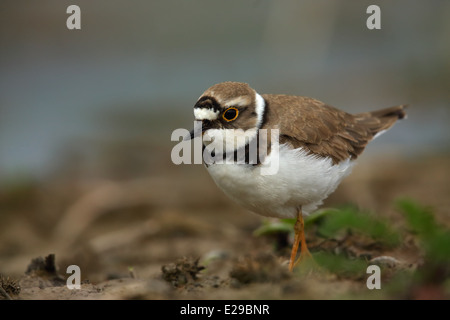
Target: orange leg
x,y
299,238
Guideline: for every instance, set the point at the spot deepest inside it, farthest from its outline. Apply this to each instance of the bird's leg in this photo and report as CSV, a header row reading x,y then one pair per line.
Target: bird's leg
x,y
299,238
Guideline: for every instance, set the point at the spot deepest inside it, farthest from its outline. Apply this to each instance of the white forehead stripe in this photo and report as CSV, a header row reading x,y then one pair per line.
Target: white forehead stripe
x,y
238,102
205,114
260,108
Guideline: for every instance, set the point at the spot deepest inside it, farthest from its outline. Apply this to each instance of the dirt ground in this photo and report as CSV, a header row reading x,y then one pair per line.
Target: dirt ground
x,y
172,234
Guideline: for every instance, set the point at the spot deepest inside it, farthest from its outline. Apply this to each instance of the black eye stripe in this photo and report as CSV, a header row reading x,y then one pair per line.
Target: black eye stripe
x,y
208,102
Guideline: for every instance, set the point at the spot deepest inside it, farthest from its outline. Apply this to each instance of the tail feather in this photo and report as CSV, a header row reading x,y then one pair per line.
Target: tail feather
x,y
380,120
396,112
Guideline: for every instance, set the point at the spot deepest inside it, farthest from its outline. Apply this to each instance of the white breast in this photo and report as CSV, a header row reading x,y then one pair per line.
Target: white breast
x,y
301,180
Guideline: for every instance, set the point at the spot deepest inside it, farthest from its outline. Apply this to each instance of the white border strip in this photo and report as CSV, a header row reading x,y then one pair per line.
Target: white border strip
x,y
260,107
205,114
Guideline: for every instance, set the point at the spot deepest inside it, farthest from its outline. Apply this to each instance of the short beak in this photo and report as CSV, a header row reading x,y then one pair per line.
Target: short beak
x,y
198,130
190,136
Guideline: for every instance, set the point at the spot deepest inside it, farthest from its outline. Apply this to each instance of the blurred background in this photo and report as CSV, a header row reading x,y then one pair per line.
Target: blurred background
x,y
86,115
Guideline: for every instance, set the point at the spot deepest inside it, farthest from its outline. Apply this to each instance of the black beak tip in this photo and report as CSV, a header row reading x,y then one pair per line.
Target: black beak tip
x,y
190,136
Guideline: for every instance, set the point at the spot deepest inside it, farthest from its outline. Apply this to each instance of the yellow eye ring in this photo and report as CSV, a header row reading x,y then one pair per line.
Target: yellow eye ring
x,y
230,114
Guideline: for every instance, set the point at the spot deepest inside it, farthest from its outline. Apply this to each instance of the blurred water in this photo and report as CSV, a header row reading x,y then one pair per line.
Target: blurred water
x,y
153,59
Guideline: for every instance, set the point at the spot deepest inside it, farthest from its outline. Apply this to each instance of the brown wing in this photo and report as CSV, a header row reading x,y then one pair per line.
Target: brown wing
x,y
322,129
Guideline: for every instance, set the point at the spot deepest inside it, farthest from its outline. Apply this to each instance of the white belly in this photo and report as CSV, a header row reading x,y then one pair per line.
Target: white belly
x,y
301,180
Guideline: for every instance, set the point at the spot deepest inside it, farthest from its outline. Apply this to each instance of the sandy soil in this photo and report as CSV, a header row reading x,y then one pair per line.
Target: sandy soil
x,y
173,235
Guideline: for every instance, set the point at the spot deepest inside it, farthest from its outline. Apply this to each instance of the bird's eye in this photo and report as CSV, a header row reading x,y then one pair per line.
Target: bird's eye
x,y
230,114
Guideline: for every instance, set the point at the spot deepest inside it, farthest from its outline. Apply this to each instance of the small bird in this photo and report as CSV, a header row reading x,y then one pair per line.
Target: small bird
x,y
315,149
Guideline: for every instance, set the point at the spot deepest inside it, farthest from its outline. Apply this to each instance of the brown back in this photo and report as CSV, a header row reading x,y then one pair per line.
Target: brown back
x,y
324,130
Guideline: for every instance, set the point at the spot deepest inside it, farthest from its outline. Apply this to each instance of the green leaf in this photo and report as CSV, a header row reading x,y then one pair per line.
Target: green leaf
x,y
434,238
340,264
271,227
350,218
287,225
419,218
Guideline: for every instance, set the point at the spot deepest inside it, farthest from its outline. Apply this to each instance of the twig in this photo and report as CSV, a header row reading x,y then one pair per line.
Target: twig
x,y
132,273
7,296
